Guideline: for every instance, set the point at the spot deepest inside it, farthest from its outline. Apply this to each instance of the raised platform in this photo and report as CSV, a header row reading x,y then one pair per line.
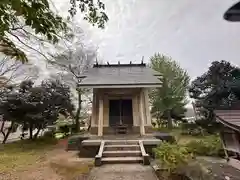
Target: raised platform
x,y
122,151
128,136
90,147
111,130
147,139
97,142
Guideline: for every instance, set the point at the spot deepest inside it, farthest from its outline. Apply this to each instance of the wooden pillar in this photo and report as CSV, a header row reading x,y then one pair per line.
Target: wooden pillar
x,y
94,113
223,144
236,142
100,118
148,115
105,111
142,114
135,110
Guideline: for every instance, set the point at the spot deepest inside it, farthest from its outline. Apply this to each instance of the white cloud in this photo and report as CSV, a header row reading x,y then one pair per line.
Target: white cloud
x,y
193,32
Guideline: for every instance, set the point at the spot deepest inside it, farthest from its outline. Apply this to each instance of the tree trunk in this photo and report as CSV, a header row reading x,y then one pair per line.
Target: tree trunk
x,y
90,122
8,133
169,118
2,128
3,133
77,124
158,120
31,131
36,134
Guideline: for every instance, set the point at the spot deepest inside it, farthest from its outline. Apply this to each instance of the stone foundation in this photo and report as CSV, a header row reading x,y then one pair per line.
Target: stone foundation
x,y
88,151
89,148
110,130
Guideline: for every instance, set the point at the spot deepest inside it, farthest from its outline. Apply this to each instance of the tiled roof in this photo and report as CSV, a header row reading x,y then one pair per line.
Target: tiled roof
x,y
121,75
230,117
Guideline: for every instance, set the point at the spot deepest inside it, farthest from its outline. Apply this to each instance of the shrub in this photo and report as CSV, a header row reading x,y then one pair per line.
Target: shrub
x,y
209,146
64,129
208,125
67,129
49,134
165,129
191,129
172,157
154,124
162,129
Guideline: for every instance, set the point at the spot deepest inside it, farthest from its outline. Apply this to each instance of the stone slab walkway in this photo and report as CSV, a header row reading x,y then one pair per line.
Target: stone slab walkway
x,y
122,172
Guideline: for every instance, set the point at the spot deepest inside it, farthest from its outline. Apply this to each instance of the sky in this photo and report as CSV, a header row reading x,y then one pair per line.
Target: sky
x,y
192,32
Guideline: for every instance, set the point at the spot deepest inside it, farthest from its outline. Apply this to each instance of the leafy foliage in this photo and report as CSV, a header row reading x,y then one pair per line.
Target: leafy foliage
x,y
169,100
36,15
180,159
209,146
191,129
172,156
29,18
218,88
94,11
177,113
64,125
35,106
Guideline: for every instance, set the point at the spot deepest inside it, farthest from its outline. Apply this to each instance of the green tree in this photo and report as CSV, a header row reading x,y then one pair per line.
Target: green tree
x,y
30,18
173,93
217,88
34,107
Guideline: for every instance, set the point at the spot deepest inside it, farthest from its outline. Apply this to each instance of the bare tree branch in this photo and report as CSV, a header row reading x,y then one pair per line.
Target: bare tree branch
x,y
28,46
11,71
73,62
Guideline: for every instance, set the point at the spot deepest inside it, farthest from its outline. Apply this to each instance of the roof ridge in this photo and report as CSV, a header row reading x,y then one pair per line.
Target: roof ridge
x,y
119,65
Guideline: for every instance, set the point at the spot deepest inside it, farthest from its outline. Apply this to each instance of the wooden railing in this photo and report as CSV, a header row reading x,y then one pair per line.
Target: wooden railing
x,y
98,157
145,156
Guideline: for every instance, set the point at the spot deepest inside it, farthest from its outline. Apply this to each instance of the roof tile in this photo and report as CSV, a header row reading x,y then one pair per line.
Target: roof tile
x,y
122,75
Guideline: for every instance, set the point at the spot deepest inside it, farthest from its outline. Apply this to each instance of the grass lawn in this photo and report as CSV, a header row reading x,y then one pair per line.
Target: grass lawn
x,y
18,155
42,158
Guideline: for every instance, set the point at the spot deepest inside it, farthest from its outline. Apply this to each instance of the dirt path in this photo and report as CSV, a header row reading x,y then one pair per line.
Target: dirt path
x,y
122,172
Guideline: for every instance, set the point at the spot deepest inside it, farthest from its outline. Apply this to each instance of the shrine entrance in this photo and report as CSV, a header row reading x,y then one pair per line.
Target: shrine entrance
x,y
120,112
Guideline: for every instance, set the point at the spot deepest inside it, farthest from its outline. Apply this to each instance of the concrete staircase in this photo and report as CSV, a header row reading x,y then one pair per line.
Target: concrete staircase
x,y
121,151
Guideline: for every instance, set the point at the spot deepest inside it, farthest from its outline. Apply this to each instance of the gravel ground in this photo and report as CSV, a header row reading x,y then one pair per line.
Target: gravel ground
x,y
219,168
122,172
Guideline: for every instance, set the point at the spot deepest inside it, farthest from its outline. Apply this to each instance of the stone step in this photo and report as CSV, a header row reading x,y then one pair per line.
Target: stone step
x,y
119,142
122,147
121,160
122,153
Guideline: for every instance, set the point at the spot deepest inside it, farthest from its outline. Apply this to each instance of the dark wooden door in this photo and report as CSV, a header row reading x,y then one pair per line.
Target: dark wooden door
x,y
126,112
120,112
114,112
